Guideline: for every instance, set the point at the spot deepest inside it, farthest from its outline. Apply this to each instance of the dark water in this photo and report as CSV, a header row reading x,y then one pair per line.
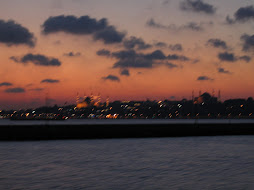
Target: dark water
x,y
155,163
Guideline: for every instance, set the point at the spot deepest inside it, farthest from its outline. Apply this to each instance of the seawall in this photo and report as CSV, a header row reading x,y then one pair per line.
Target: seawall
x,y
103,130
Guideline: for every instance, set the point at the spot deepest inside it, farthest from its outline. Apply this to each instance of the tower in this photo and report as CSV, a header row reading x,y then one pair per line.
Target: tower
x,y
77,98
107,102
219,96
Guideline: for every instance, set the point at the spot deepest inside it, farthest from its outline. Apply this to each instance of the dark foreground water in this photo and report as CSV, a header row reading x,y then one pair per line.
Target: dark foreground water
x,y
153,163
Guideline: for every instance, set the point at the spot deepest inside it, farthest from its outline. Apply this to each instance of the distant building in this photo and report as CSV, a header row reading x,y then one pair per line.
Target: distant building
x,y
205,98
89,101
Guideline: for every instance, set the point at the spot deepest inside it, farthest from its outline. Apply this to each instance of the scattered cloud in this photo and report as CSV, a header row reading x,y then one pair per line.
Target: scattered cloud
x,y
36,89
15,90
37,59
6,84
109,35
50,81
13,33
125,72
134,42
171,65
204,78
243,14
248,42
154,24
177,57
134,62
172,47
112,78
160,44
132,59
217,43
103,52
197,6
176,47
157,54
84,25
225,56
72,54
192,26
222,70
245,58
230,57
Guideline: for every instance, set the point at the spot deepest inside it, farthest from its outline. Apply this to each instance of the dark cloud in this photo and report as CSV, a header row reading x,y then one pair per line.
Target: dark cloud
x,y
193,26
73,25
160,44
136,62
222,70
15,90
134,42
50,81
230,57
243,14
157,54
229,20
103,52
109,35
176,47
245,58
112,78
125,72
37,59
248,42
36,89
72,54
154,24
204,78
6,84
131,59
177,57
126,54
171,65
84,25
197,6
217,43
12,33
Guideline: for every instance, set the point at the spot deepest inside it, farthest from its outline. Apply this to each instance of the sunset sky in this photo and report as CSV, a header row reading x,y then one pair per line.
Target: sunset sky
x,y
124,50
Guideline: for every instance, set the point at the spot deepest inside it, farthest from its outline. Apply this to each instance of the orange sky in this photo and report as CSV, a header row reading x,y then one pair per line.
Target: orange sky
x,y
84,73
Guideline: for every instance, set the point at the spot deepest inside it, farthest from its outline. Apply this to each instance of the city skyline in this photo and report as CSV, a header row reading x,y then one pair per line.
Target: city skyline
x,y
125,50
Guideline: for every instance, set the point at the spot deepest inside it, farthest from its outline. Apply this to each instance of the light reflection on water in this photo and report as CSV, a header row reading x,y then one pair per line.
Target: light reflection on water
x,y
153,163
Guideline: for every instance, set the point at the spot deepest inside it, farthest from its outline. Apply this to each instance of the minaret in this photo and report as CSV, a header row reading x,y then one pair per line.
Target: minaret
x,y
107,102
219,96
92,98
192,96
77,98
213,93
99,98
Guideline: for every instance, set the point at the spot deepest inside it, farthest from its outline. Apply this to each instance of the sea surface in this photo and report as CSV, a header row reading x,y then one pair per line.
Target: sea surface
x,y
223,162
